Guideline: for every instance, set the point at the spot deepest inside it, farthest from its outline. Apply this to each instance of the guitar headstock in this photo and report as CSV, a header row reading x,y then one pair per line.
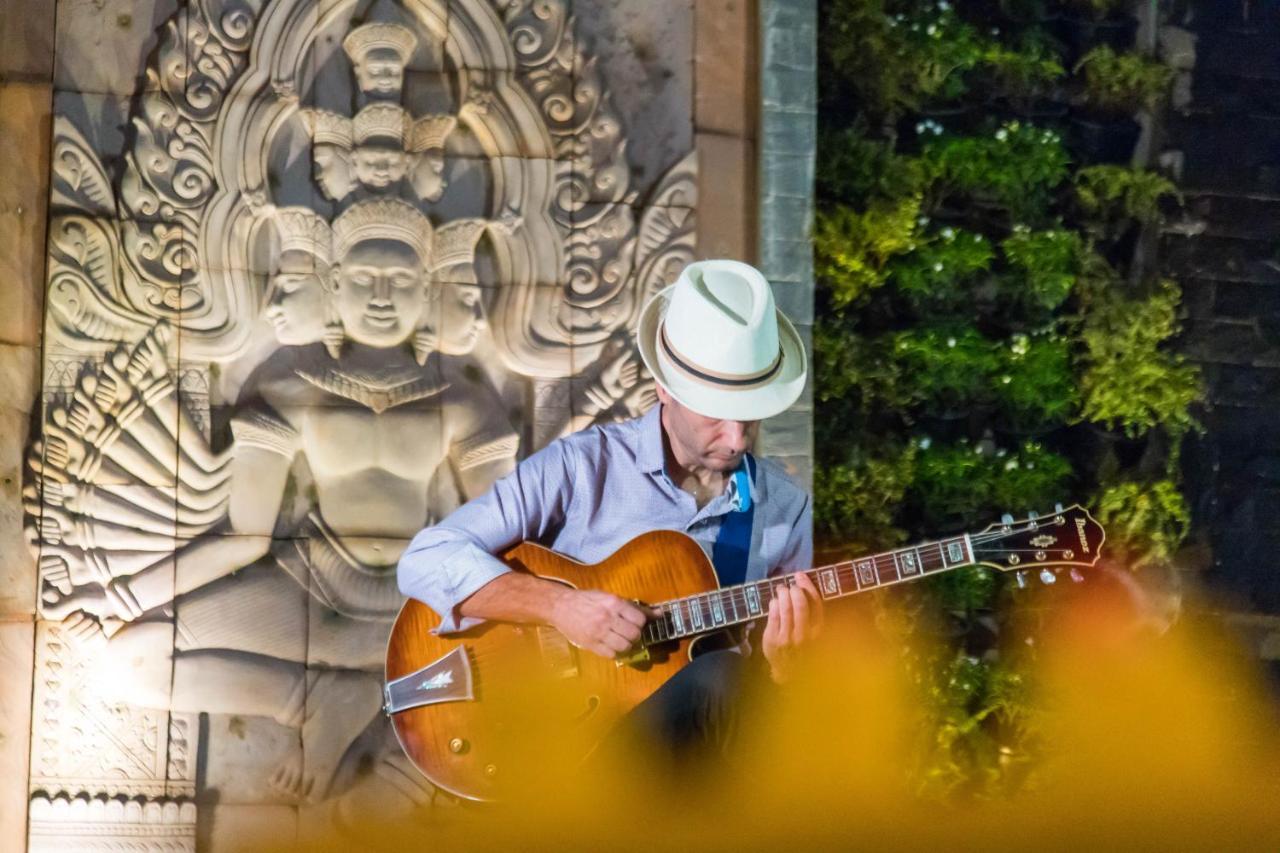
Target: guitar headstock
x,y
1065,538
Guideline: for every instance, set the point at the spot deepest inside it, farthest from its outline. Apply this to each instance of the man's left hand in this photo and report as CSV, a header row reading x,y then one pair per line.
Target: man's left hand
x,y
795,618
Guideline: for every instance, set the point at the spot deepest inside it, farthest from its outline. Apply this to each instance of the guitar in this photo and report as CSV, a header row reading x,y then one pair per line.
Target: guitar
x,y
457,703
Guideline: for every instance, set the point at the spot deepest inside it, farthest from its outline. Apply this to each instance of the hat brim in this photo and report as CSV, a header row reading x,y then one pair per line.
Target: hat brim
x,y
753,404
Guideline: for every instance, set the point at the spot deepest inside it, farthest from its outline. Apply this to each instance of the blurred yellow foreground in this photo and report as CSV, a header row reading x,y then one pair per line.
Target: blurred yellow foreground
x,y
1150,743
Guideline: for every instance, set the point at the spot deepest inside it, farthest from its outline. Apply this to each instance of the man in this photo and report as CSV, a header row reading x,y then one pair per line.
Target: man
x,y
724,358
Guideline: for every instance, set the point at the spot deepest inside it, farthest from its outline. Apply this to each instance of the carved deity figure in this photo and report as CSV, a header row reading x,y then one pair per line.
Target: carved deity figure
x,y
376,428
379,53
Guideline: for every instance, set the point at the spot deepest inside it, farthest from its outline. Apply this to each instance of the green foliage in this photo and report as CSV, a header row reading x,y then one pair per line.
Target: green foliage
x,y
1036,388
1111,194
1123,83
949,367
960,483
1022,75
851,247
934,274
853,370
966,755
897,62
1045,265
1130,381
853,167
1147,521
1016,167
856,501
965,291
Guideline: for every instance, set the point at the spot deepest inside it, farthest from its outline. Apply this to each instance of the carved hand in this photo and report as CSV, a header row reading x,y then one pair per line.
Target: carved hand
x,y
90,599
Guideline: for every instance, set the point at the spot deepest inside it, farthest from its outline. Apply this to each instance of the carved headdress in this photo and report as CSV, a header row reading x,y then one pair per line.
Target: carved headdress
x,y
369,37
381,120
303,230
329,128
431,131
382,219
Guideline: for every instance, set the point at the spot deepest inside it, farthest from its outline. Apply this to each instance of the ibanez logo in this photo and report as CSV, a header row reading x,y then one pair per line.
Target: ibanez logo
x,y
1084,540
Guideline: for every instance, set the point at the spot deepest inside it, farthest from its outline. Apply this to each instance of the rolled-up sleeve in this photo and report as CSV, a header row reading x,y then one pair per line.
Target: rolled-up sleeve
x,y
445,564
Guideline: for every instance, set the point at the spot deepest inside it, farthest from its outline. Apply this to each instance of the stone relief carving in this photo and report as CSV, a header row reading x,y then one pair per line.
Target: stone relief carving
x,y
260,376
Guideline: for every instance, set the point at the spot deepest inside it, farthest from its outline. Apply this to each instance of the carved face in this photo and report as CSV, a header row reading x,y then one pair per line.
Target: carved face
x,y
378,166
332,169
379,292
461,317
710,443
296,308
380,72
428,175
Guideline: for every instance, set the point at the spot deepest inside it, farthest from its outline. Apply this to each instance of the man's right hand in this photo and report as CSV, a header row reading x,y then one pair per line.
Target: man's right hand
x,y
598,621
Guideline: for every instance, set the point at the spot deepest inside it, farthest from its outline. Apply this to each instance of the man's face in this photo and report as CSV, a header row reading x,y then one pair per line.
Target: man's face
x,y
379,292
710,443
381,72
296,308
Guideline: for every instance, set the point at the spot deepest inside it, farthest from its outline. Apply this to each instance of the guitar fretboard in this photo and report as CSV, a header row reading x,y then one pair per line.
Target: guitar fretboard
x,y
734,605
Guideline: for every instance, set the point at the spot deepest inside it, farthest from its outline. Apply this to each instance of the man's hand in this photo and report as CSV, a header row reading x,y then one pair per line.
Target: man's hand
x,y
597,621
795,617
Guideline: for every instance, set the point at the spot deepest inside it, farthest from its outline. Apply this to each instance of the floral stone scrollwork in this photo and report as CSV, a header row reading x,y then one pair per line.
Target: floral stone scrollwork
x,y
268,362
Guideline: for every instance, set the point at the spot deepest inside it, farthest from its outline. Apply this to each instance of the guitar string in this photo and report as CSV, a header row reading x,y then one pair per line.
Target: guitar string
x,y
738,595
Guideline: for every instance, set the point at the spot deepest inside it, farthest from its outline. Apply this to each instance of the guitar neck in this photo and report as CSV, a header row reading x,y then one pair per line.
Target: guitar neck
x,y
735,605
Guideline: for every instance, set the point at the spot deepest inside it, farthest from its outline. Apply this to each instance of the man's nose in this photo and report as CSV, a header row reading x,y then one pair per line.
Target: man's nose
x,y
734,434
381,288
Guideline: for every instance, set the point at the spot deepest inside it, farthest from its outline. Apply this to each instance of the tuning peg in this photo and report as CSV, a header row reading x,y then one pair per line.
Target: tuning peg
x,y
1057,507
1021,579
1047,577
1007,518
1032,516
1076,577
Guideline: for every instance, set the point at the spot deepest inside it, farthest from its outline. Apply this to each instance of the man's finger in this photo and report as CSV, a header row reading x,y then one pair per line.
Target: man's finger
x,y
770,636
629,630
785,614
631,613
800,615
617,642
813,603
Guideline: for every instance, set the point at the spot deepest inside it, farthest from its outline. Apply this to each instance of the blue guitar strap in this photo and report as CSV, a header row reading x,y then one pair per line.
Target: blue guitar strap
x,y
732,548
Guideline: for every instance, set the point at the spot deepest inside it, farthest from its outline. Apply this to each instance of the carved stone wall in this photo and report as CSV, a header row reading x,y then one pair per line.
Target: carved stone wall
x,y
315,272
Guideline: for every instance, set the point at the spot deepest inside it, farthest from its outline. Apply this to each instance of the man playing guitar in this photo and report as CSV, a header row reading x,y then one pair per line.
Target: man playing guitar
x,y
724,358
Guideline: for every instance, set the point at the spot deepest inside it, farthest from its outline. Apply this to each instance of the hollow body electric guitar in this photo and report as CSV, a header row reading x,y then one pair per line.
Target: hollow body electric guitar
x,y
460,704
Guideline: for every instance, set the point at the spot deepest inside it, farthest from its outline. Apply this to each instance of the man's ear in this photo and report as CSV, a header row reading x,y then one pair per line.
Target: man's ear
x,y
331,278
664,397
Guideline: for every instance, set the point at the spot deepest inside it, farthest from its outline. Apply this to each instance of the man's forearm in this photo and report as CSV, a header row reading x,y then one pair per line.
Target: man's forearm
x,y
516,597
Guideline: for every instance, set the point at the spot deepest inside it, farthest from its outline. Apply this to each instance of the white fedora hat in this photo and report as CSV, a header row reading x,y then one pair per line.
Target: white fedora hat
x,y
719,345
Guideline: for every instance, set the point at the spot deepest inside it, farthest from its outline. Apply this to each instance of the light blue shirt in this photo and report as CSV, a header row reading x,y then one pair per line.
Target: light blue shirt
x,y
585,496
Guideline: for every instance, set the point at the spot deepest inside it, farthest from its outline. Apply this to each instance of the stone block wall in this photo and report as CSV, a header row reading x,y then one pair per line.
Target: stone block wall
x,y
228,399
26,102
1225,141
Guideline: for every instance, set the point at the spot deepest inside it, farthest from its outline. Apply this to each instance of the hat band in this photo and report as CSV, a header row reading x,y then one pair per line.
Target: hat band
x,y
733,381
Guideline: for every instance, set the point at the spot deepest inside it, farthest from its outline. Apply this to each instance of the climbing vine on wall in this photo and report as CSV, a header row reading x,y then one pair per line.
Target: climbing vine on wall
x,y
986,342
